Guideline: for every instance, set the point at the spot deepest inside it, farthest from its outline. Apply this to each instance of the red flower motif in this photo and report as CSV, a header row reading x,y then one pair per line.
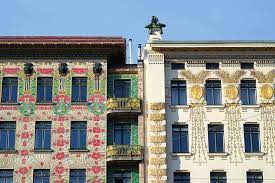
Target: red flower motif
x,y
96,169
96,129
23,170
24,153
61,118
60,130
45,70
24,143
96,155
96,118
10,70
79,70
59,169
25,135
60,143
41,163
60,155
25,119
96,142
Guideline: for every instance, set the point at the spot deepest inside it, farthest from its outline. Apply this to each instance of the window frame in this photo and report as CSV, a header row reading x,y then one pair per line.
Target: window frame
x,y
43,173
8,137
214,129
77,171
247,85
79,99
76,127
217,177
211,66
251,141
123,131
122,177
44,136
177,66
10,90
212,84
45,90
182,132
254,174
177,85
247,65
130,88
184,178
7,171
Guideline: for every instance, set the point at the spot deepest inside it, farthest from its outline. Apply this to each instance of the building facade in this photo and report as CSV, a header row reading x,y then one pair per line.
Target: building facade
x,y
209,110
70,111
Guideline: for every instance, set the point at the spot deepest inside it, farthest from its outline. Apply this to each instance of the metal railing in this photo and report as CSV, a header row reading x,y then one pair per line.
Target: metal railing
x,y
123,104
124,151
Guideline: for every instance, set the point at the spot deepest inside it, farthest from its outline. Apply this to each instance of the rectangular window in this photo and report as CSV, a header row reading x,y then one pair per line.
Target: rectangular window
x,y
180,138
122,133
248,92
212,66
9,89
6,176
77,176
247,65
254,177
79,89
181,177
178,93
217,177
252,137
122,177
42,135
177,66
122,88
7,135
41,176
44,89
78,135
215,138
213,92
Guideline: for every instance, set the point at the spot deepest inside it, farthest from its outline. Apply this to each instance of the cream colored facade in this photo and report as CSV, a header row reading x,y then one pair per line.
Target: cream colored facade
x,y
160,115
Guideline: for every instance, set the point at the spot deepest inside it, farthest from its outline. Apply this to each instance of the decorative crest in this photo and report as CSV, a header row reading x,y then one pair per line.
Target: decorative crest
x,y
155,26
28,69
63,69
97,69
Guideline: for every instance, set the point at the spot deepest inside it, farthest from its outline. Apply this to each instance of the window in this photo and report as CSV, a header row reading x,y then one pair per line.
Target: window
x,y
247,65
215,138
248,92
177,66
178,92
41,176
7,135
79,89
180,138
122,133
9,89
77,176
217,177
252,138
212,66
181,177
44,89
42,135
213,92
6,176
254,177
78,135
122,88
122,177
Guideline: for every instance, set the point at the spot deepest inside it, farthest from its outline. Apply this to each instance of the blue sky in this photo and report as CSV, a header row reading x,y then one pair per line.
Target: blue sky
x,y
185,19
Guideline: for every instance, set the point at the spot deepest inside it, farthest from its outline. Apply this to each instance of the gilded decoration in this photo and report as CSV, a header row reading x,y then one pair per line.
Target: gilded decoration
x,y
123,104
266,91
157,150
268,119
196,92
230,78
158,181
158,161
264,78
232,92
235,145
197,78
157,117
157,128
157,106
157,172
199,144
158,139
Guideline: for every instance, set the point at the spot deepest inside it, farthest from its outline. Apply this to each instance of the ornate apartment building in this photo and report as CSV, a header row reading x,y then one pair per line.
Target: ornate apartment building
x,y
70,111
209,110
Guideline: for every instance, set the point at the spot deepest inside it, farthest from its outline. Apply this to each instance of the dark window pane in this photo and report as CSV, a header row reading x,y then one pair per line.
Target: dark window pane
x,y
217,177
180,138
212,65
213,92
9,89
248,92
178,93
247,65
177,66
252,138
122,133
41,176
7,135
122,88
44,89
122,177
42,135
78,135
77,176
215,138
181,177
79,89
6,176
254,177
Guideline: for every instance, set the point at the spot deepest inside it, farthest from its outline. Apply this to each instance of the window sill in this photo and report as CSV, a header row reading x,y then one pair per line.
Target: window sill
x,y
178,106
44,103
78,150
9,103
250,106
249,154
11,151
218,154
180,154
79,103
215,106
42,150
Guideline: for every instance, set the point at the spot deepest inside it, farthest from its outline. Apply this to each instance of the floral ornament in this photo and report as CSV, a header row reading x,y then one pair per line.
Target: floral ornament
x,y
27,106
97,104
45,70
62,105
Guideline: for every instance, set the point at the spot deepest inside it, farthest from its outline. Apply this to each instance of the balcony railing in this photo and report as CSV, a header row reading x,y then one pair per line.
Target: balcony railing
x,y
123,104
124,152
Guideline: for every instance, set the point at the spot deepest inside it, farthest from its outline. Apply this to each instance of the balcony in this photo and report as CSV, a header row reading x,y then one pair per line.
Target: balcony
x,y
123,105
124,152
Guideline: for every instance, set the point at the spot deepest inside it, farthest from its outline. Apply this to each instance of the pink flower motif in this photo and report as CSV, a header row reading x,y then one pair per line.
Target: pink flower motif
x,y
24,143
45,70
23,170
96,118
96,129
96,169
96,155
60,130
59,169
60,155
96,142
61,118
10,70
79,70
25,135
24,153
25,119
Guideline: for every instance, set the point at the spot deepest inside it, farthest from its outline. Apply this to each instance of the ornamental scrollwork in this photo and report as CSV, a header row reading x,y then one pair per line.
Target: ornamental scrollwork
x,y
157,106
230,78
264,78
158,161
157,117
197,78
157,150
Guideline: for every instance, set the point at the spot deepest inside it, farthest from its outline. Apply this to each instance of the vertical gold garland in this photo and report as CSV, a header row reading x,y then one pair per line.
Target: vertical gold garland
x,y
157,161
235,146
268,119
199,145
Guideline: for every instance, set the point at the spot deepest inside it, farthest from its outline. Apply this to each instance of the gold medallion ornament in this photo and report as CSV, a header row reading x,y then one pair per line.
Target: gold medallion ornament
x,y
266,91
197,92
231,92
